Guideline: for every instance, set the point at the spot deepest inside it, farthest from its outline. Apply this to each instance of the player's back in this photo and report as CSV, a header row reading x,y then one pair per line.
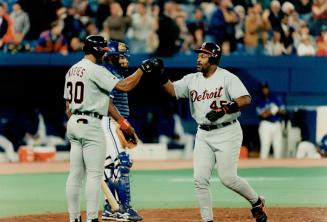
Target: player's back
x,y
87,87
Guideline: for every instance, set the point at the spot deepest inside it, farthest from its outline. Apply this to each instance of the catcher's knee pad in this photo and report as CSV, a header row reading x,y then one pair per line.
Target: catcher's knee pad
x,y
122,183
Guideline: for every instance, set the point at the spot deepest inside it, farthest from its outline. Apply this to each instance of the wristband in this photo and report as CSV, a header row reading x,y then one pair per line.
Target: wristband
x,y
124,124
232,107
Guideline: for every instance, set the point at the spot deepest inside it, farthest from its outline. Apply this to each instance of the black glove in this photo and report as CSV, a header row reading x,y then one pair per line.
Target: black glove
x,y
147,66
213,115
160,71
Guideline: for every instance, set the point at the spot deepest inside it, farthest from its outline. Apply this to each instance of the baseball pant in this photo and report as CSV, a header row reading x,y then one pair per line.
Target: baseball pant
x,y
221,147
270,133
87,156
8,148
113,144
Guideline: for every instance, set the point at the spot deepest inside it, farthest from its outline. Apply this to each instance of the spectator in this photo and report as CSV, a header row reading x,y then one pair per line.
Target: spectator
x,y
9,35
73,26
3,26
322,42
303,7
287,34
91,29
21,22
75,45
116,24
140,29
198,27
52,40
256,27
319,12
275,47
270,110
222,24
184,35
306,48
275,15
102,13
287,8
168,44
240,27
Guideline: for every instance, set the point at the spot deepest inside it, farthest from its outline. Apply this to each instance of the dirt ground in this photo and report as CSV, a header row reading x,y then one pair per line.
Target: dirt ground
x,y
192,215
181,215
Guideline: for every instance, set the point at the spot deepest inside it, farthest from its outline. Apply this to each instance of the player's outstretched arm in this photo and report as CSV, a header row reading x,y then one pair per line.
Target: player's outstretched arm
x,y
162,77
130,82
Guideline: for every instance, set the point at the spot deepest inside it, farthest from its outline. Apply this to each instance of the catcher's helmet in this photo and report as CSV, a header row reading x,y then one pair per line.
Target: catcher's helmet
x,y
95,45
213,50
116,49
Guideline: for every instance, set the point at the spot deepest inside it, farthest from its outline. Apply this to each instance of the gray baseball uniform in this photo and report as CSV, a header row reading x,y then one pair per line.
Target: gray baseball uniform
x,y
219,145
87,88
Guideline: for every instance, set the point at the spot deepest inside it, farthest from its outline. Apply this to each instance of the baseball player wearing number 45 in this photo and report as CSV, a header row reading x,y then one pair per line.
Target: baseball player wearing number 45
x,y
216,97
87,89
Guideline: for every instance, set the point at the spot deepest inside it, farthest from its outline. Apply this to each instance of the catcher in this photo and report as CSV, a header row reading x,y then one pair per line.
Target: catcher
x,y
120,136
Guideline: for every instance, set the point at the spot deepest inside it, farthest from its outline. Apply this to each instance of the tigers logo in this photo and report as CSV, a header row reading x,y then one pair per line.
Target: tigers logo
x,y
196,96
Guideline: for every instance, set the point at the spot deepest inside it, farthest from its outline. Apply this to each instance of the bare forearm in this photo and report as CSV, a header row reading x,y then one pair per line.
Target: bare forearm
x,y
113,111
68,113
169,88
130,82
243,101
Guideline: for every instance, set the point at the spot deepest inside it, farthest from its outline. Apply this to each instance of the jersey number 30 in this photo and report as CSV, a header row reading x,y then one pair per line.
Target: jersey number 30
x,y
76,93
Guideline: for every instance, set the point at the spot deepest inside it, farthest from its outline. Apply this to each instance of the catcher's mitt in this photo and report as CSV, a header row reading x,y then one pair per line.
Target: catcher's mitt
x,y
127,140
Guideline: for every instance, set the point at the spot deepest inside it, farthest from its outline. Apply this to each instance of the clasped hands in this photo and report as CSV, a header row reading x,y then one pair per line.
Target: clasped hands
x,y
155,66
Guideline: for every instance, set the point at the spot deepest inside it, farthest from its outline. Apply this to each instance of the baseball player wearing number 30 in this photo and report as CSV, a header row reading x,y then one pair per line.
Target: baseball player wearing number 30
x,y
87,89
216,97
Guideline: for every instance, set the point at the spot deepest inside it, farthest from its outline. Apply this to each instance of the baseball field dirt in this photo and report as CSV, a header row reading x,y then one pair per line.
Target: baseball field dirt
x,y
275,213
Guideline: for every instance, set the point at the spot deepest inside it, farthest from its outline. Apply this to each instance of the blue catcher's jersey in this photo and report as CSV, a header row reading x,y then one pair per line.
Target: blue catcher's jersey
x,y
268,103
120,99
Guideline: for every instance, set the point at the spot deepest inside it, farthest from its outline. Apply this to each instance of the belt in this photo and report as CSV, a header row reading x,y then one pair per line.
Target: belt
x,y
218,126
95,115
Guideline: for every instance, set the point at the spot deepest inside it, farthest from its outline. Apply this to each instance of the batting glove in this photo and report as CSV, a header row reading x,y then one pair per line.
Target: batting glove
x,y
214,115
147,66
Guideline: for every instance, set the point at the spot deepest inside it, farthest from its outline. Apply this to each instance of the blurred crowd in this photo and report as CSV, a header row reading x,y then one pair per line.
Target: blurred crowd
x,y
164,28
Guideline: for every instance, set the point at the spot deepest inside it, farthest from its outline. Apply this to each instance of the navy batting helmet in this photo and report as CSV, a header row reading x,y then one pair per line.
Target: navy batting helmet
x,y
213,50
95,45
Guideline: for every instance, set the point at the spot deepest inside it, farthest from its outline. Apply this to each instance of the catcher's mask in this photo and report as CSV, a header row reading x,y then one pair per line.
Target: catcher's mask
x,y
116,51
95,45
213,50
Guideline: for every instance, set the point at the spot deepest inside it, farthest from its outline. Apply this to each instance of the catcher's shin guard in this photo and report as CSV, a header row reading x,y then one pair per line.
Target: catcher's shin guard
x,y
122,183
258,211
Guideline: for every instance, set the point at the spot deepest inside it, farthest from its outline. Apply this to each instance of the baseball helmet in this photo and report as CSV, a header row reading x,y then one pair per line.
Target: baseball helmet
x,y
213,50
115,50
95,45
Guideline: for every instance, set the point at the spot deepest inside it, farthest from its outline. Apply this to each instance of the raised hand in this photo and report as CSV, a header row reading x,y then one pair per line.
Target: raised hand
x,y
147,66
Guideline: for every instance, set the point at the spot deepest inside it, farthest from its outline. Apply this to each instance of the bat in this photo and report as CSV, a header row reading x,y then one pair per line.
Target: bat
x,y
109,196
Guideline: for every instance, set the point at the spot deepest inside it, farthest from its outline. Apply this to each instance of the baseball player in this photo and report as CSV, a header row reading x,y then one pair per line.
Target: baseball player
x,y
216,97
270,109
118,162
87,86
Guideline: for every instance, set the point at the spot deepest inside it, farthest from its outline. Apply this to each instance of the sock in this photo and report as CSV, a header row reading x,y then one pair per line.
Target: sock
x,y
257,203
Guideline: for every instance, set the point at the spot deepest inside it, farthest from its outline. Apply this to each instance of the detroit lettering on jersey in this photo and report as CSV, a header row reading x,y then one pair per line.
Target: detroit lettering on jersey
x,y
195,96
76,71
